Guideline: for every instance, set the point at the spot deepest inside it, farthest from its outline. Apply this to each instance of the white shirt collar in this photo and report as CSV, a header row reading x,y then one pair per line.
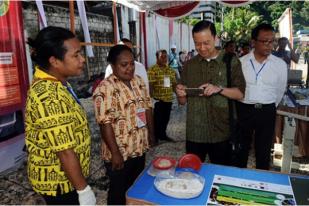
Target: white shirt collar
x,y
269,57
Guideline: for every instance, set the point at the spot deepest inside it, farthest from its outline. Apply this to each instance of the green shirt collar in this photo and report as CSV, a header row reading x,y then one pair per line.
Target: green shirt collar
x,y
217,59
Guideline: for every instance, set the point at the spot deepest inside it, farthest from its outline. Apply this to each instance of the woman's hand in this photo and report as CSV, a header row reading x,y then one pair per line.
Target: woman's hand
x,y
117,161
151,139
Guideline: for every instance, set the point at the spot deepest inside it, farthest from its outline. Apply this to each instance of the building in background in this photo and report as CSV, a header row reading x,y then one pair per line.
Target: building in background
x,y
205,11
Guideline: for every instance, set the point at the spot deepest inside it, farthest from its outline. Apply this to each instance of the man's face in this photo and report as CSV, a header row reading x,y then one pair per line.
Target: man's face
x,y
245,50
264,43
204,43
282,43
162,59
231,48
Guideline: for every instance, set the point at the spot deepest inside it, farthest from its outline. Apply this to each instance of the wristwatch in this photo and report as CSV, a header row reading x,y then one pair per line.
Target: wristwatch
x,y
221,89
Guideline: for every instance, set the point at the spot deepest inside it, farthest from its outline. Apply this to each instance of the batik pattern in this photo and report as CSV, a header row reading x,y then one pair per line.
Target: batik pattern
x,y
54,122
117,104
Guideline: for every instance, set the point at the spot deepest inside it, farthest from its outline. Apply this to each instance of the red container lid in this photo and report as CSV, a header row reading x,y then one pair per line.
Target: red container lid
x,y
190,161
163,163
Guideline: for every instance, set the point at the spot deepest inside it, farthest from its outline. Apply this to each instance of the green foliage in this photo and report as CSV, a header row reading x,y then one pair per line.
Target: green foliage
x,y
239,22
189,20
272,10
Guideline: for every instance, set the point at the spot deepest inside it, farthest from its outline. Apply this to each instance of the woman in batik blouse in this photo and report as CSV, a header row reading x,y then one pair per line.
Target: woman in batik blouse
x,y
124,114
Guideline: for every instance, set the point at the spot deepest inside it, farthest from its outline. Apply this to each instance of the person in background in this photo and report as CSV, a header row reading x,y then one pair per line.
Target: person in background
x,y
207,126
182,59
284,54
230,47
173,61
192,53
188,56
139,67
57,131
162,81
266,81
245,49
306,56
96,82
123,111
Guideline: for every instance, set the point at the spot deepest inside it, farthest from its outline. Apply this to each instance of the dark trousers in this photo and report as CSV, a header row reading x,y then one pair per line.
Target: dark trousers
x,y
218,152
259,122
121,180
70,198
161,115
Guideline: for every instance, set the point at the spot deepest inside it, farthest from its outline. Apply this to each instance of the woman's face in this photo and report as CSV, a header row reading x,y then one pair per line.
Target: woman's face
x,y
124,67
73,62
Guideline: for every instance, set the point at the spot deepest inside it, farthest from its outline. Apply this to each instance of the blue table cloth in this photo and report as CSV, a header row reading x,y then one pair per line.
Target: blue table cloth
x,y
144,189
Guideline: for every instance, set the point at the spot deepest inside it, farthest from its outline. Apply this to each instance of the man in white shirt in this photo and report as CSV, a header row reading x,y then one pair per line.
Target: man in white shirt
x,y
139,67
266,81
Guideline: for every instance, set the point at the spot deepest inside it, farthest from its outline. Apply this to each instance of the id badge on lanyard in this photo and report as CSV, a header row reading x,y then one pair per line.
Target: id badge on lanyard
x,y
166,81
141,117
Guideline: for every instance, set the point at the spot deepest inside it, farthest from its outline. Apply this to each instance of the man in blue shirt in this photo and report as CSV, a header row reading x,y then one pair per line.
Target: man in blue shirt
x,y
173,61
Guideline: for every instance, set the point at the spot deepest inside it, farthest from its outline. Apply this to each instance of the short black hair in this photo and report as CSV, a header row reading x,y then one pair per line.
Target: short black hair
x,y
201,25
115,51
283,39
160,51
257,29
228,43
49,42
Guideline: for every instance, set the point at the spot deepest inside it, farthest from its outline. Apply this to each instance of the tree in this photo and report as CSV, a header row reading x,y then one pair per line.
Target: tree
x,y
272,10
238,23
304,13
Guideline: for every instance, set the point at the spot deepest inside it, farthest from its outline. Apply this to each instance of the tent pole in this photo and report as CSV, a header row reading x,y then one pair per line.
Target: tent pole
x,y
72,16
143,24
115,21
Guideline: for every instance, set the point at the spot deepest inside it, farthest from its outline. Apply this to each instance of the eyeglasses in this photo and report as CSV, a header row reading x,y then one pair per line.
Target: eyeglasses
x,y
266,42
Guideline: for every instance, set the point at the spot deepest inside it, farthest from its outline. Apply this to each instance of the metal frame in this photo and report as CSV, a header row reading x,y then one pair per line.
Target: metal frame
x,y
288,137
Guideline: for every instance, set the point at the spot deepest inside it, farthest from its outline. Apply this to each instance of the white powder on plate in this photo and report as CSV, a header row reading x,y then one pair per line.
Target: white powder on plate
x,y
180,188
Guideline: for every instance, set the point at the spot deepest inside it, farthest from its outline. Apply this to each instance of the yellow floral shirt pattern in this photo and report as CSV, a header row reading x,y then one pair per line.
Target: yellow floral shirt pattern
x,y
54,122
116,104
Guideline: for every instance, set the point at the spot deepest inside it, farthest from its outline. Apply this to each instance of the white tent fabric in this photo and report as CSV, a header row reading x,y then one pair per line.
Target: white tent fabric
x,y
182,43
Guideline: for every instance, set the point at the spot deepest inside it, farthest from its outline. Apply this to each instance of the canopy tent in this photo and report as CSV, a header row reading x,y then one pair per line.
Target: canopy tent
x,y
167,9
173,9
170,9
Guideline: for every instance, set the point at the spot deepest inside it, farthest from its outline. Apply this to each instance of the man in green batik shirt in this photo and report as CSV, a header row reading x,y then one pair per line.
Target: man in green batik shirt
x,y
207,129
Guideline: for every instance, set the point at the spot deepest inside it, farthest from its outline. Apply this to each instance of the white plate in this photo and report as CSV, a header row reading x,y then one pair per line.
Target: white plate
x,y
180,186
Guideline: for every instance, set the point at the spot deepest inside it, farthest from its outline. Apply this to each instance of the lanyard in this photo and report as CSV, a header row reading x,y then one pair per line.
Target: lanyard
x,y
257,73
73,93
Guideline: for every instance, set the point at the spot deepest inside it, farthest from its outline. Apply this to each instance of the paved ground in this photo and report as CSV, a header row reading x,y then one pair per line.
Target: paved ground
x,y
15,189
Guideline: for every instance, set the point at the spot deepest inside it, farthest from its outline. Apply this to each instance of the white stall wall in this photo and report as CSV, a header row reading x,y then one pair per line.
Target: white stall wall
x,y
158,36
125,22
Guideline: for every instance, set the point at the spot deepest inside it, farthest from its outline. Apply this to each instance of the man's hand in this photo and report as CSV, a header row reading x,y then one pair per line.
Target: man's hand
x,y
181,90
117,161
210,89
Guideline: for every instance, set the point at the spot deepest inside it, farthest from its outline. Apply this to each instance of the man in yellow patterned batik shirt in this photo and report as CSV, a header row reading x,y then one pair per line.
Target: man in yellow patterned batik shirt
x,y
57,131
162,82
